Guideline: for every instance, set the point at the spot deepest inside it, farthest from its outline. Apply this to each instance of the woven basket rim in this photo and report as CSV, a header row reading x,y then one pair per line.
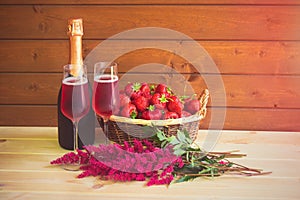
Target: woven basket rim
x,y
164,122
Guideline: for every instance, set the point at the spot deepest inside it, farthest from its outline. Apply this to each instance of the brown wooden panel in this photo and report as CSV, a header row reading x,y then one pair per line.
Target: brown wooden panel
x,y
241,91
29,88
33,56
231,57
257,119
199,22
236,118
28,116
138,2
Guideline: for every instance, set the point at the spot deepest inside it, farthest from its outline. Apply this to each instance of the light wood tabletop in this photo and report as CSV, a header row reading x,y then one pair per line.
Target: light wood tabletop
x,y
25,172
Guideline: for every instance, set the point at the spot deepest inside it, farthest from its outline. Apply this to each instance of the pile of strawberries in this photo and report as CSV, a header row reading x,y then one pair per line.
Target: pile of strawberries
x,y
154,102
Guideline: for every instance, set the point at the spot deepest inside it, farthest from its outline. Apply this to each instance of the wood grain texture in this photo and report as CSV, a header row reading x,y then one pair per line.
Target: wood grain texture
x,y
231,57
26,173
255,45
159,2
236,118
207,22
24,115
241,91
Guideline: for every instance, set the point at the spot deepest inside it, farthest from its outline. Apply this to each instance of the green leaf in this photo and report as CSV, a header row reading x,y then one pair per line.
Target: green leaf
x,y
230,164
170,139
164,143
180,135
185,178
188,140
179,152
160,135
205,171
175,147
186,133
174,141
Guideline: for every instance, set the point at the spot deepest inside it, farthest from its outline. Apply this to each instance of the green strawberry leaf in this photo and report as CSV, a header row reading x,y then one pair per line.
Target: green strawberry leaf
x,y
151,107
136,87
133,115
163,99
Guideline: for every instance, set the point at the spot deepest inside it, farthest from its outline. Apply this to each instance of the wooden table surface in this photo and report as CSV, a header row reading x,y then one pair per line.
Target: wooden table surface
x,y
25,172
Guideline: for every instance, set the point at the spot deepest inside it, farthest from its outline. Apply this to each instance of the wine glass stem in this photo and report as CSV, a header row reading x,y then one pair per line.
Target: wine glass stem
x,y
106,130
75,127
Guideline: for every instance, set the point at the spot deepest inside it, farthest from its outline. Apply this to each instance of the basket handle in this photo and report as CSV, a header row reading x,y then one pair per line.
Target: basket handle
x,y
203,102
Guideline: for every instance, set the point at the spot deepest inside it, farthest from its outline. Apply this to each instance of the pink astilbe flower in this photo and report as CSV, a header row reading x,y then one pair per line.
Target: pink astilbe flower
x,y
136,162
222,162
72,157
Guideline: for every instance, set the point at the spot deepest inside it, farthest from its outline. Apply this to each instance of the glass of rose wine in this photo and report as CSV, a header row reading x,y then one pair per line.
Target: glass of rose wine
x,y
106,92
75,101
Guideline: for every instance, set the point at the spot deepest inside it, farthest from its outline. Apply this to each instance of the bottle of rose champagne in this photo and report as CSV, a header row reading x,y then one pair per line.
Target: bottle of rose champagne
x,y
86,127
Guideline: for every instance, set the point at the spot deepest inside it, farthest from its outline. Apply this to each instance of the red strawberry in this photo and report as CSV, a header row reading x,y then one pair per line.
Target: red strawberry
x,y
141,103
192,106
174,105
152,113
163,89
145,90
185,113
159,100
133,90
171,115
135,95
129,110
124,99
129,89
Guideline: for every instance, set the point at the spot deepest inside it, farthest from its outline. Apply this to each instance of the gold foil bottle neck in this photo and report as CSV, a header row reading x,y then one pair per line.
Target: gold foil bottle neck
x,y
75,32
75,27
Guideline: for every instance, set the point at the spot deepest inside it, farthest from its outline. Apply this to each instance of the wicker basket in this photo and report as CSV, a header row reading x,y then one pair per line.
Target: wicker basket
x,y
122,129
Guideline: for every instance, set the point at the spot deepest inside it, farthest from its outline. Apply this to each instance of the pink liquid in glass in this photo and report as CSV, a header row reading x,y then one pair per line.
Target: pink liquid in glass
x,y
75,102
106,95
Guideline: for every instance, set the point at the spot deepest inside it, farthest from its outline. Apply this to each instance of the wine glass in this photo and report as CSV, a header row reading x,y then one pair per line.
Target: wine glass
x,y
75,102
105,92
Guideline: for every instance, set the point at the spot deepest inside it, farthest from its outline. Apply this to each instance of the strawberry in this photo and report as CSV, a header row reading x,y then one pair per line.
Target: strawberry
x,y
159,100
192,106
171,115
174,105
145,90
141,103
163,89
133,90
185,113
129,110
135,95
129,89
152,113
124,99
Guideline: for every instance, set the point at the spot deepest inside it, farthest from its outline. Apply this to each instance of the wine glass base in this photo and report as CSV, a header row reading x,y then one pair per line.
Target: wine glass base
x,y
71,167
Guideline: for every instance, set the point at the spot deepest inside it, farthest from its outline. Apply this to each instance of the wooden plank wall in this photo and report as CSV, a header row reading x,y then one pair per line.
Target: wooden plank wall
x,y
255,44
